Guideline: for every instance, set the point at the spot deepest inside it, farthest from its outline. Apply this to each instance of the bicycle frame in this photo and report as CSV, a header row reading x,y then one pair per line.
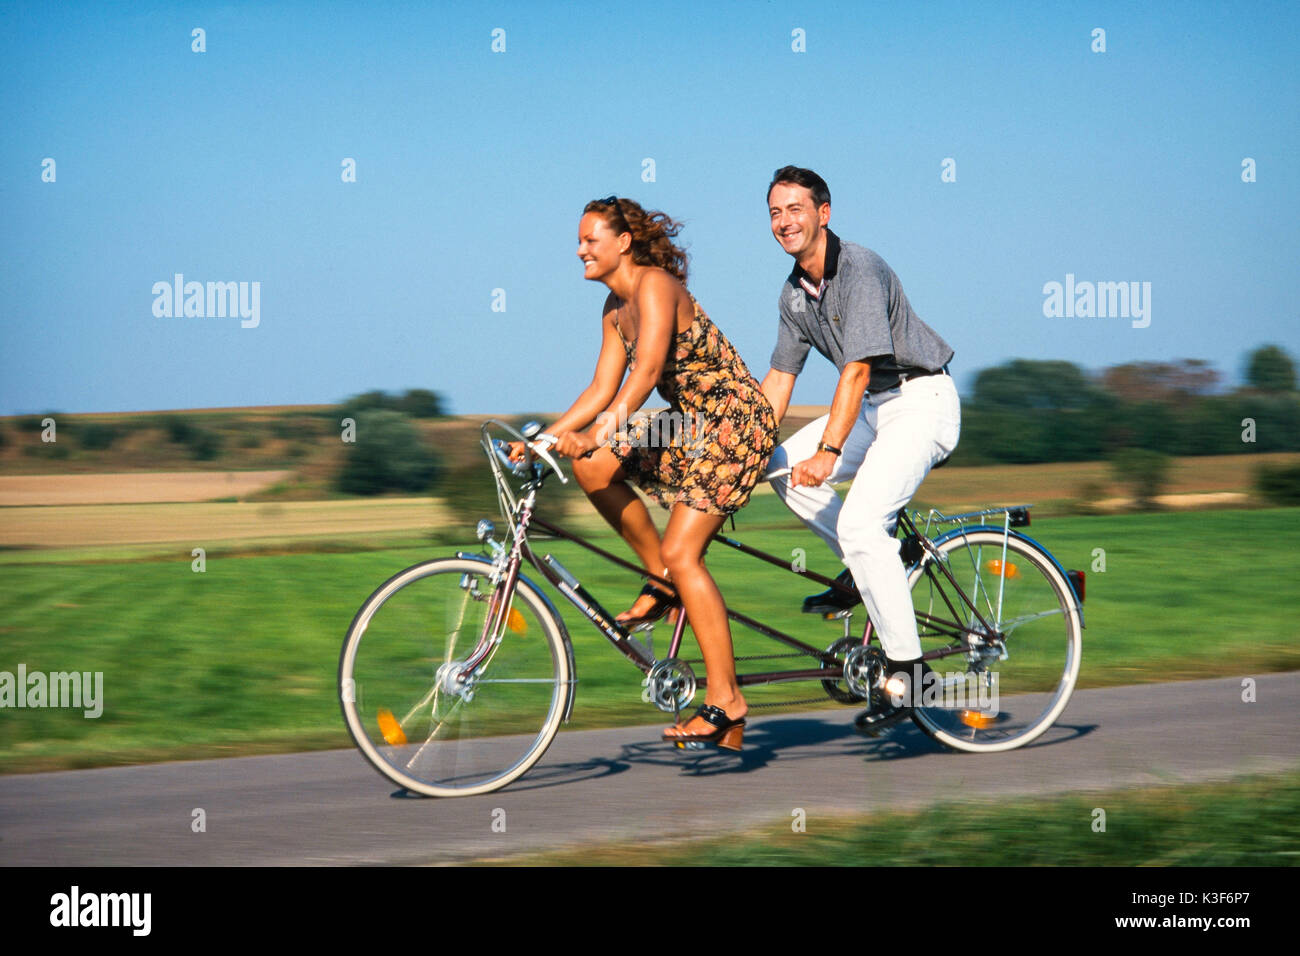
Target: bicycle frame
x,y
520,512
444,645
621,638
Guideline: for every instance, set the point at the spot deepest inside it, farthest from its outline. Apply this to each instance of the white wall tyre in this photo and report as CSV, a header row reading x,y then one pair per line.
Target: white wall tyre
x,y
417,729
985,705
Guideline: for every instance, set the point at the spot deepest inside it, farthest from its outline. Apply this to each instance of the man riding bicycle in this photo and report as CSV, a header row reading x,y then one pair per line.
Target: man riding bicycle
x,y
894,416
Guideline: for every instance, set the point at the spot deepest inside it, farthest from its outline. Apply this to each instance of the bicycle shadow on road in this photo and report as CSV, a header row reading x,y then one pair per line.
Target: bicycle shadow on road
x,y
766,740
770,739
908,740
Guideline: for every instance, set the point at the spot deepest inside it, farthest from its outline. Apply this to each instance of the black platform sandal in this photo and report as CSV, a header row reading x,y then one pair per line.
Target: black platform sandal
x,y
664,602
727,734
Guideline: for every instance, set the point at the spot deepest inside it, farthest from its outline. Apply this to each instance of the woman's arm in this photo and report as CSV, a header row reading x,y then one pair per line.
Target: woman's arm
x,y
656,304
610,367
778,386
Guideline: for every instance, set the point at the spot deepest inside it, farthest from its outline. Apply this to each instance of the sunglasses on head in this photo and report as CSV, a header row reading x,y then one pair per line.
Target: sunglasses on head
x,y
613,201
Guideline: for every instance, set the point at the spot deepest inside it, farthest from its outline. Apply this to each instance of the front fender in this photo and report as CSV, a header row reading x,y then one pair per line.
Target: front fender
x,y
525,581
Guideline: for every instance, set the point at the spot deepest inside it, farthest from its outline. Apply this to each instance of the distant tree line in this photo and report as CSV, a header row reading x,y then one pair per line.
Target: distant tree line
x,y
1034,411
414,402
385,451
1021,412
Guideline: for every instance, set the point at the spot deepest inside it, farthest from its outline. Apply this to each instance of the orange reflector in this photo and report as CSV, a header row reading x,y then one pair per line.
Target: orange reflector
x,y
390,728
995,567
973,718
515,621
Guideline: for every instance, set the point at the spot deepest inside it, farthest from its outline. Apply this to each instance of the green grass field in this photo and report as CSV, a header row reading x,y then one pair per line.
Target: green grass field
x,y
1248,822
242,658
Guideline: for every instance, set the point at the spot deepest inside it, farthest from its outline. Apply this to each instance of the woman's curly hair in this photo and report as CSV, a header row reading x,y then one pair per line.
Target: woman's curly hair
x,y
652,233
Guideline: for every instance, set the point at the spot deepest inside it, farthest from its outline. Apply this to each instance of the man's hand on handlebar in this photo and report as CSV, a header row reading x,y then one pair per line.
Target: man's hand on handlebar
x,y
814,471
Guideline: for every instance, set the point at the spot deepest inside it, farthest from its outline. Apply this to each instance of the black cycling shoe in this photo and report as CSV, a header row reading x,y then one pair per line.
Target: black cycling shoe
x,y
832,600
875,720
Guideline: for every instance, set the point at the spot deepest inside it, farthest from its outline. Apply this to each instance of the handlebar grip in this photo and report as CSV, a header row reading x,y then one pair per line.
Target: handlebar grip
x,y
539,445
552,440
499,447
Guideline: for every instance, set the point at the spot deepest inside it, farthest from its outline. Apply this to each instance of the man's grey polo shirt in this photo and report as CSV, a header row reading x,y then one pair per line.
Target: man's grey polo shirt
x,y
862,314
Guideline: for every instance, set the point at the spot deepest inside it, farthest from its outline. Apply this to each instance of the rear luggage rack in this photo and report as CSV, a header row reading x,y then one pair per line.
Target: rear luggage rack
x,y
1014,516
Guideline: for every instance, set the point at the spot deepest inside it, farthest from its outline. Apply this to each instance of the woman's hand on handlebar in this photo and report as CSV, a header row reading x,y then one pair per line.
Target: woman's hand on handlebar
x,y
575,444
568,444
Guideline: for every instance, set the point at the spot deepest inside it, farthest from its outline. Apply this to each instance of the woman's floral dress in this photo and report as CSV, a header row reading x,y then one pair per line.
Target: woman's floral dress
x,y
711,447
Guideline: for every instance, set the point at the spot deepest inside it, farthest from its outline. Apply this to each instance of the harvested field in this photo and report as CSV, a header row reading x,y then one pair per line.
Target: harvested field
x,y
76,526
1026,484
1194,483
133,487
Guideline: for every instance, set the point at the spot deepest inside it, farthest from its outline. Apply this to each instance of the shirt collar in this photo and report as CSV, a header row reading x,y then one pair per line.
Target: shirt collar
x,y
800,277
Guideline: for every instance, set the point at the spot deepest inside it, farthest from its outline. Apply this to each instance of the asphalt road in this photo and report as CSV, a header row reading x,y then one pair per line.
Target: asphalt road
x,y
332,808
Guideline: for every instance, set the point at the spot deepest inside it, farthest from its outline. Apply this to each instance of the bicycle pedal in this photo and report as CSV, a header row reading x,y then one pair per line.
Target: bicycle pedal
x,y
690,745
836,615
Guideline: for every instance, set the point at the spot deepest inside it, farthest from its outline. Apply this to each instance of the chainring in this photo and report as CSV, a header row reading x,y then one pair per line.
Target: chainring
x,y
841,691
670,685
864,671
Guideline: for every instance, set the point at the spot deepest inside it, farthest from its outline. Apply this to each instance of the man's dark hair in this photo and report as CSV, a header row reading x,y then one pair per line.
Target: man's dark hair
x,y
821,193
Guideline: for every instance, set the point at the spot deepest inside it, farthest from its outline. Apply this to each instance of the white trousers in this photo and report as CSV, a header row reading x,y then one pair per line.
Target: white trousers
x,y
898,437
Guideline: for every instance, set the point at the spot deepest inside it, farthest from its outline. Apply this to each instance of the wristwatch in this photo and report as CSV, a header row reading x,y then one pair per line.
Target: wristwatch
x,y
822,446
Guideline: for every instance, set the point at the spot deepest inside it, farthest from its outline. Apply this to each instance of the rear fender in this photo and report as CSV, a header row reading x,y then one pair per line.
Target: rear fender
x,y
998,529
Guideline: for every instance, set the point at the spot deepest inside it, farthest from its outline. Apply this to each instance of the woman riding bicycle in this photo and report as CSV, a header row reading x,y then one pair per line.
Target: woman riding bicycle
x,y
654,331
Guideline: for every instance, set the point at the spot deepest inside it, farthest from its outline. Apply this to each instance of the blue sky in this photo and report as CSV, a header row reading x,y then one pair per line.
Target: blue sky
x,y
473,167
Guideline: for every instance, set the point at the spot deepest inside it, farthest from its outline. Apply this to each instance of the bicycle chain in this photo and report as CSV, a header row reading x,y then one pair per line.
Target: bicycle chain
x,y
776,703
766,657
788,703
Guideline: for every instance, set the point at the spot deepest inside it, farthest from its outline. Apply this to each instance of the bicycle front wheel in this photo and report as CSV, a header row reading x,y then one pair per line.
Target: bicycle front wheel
x,y
450,685
1006,678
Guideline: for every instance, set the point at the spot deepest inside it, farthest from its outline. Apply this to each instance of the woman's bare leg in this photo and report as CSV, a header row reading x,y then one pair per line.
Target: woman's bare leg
x,y
601,476
688,534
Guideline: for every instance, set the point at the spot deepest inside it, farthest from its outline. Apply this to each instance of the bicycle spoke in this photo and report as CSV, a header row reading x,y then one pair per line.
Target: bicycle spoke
x,y
514,680
466,729
433,694
1006,627
1020,686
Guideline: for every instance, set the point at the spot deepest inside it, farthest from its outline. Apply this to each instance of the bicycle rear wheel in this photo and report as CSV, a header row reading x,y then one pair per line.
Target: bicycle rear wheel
x,y
416,708
1002,690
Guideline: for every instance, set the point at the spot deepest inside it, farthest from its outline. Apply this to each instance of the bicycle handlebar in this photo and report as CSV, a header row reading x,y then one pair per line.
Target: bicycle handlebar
x,y
536,447
548,440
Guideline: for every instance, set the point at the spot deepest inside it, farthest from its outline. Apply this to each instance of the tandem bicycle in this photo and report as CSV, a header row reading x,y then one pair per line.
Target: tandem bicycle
x,y
456,673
